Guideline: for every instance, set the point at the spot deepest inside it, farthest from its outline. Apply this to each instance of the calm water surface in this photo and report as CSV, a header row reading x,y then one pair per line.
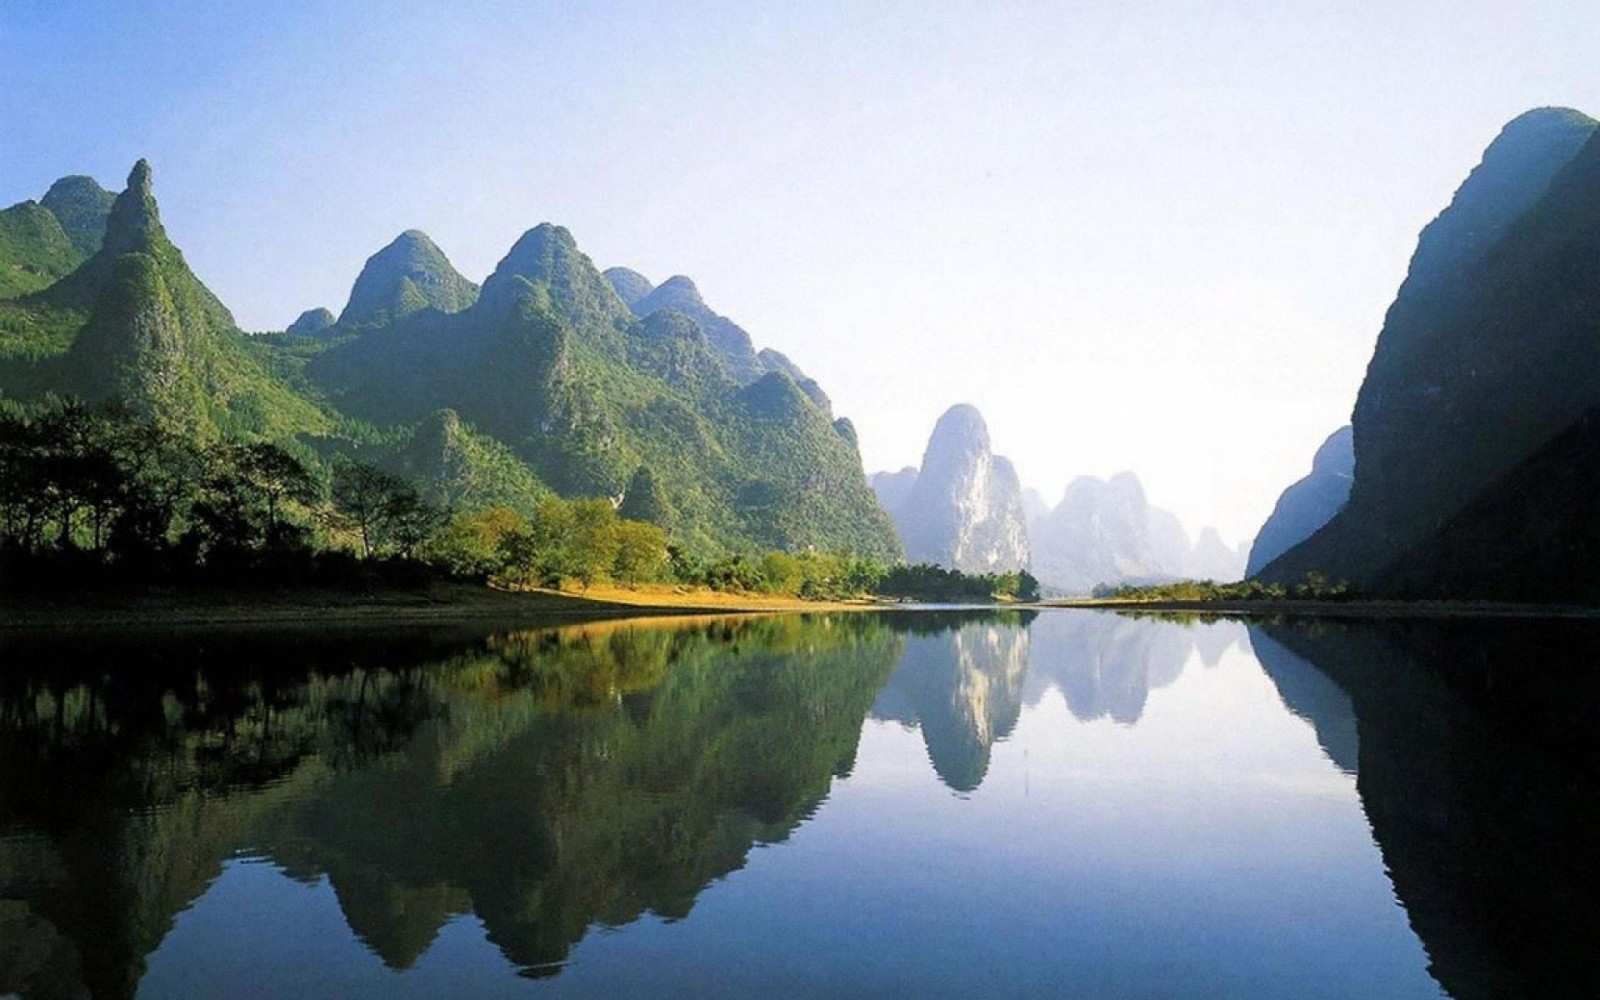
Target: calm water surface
x,y
1066,803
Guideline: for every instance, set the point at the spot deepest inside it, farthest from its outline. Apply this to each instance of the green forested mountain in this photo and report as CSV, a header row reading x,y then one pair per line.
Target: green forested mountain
x,y
1488,360
409,274
551,361
544,381
42,241
132,323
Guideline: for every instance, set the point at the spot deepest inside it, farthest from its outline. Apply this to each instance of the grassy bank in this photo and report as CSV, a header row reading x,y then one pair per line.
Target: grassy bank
x,y
434,602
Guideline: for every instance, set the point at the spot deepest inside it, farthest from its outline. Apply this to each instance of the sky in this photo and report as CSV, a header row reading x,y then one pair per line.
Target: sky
x,y
1147,236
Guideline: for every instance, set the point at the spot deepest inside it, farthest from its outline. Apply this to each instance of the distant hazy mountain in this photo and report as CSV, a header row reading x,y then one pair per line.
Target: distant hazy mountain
x,y
1107,532
1477,403
892,488
1309,503
963,508
1214,559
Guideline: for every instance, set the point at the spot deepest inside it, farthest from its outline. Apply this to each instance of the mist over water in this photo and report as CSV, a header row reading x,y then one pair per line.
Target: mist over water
x,y
963,803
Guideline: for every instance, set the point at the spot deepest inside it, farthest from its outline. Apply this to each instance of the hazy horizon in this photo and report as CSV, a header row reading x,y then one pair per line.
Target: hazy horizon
x,y
1149,237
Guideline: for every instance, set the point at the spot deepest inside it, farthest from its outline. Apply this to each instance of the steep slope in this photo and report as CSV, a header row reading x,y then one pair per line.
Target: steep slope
x,y
1486,355
963,508
459,469
35,250
409,274
133,323
1532,535
551,362
82,207
1309,503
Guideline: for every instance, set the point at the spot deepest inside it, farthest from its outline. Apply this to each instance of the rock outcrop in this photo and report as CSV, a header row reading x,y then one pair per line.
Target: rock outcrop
x,y
963,508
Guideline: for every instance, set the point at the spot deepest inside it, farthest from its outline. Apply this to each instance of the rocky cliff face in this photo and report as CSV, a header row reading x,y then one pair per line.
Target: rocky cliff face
x,y
1309,503
963,508
1486,356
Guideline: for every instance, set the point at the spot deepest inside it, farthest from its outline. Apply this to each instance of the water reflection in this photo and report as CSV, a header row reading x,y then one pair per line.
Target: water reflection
x,y
1476,760
546,781
959,682
551,783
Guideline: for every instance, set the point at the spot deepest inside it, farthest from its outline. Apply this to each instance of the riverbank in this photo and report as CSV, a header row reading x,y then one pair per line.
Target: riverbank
x,y
1331,609
435,602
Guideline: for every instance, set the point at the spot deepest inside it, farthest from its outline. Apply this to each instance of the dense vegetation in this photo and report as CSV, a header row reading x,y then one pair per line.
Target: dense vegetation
x,y
105,496
145,425
1314,587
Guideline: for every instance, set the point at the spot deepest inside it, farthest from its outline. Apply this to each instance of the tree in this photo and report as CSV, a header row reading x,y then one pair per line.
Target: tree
x,y
277,478
476,545
592,546
641,551
364,494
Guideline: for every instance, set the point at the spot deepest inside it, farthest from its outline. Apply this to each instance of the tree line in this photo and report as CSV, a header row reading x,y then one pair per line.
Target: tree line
x,y
102,494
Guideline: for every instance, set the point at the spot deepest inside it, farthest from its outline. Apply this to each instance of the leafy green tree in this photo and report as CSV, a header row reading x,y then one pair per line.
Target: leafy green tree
x,y
592,546
476,544
641,551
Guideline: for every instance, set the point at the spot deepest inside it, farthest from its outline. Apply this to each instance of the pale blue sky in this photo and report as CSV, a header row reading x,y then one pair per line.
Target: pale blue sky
x,y
1135,235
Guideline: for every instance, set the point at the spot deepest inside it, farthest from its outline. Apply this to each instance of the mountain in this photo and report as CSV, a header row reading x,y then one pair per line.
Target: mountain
x,y
409,274
963,508
631,286
82,207
542,381
133,323
892,488
1215,559
731,344
311,323
1101,532
1105,531
1309,503
553,364
457,468
42,241
1486,359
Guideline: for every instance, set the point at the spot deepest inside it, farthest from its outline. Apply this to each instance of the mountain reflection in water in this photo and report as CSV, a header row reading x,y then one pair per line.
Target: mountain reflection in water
x,y
546,785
